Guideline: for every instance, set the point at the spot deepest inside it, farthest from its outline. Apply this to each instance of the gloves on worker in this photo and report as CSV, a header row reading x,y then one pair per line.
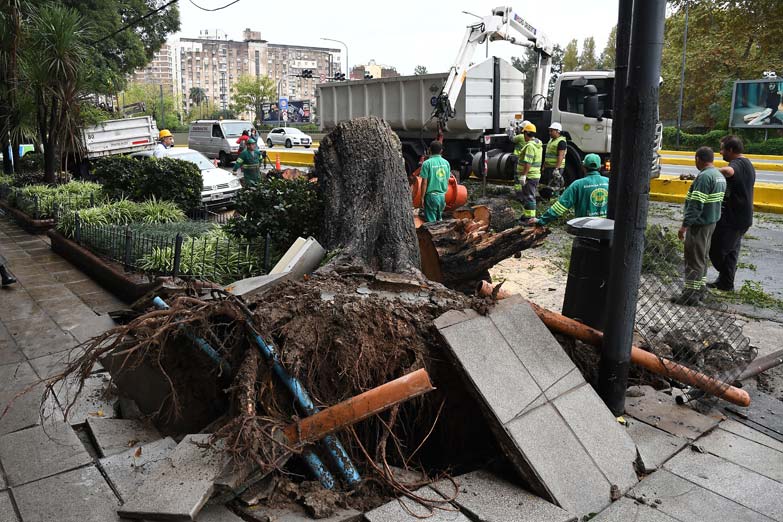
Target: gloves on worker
x,y
557,179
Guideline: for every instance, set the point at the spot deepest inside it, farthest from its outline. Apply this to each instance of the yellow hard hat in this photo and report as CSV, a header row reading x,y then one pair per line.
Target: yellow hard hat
x,y
165,133
529,128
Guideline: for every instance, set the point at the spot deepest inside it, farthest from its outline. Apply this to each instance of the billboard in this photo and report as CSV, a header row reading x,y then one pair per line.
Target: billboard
x,y
757,104
298,112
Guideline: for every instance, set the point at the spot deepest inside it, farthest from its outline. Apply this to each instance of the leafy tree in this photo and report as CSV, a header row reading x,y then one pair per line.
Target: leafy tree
x,y
528,64
588,60
607,59
420,70
11,41
150,95
250,92
571,56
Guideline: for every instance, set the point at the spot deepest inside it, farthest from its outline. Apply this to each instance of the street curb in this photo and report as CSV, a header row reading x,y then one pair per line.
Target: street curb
x,y
767,197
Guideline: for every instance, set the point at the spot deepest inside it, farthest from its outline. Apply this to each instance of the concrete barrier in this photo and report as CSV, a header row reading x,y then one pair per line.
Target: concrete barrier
x,y
760,161
767,197
295,158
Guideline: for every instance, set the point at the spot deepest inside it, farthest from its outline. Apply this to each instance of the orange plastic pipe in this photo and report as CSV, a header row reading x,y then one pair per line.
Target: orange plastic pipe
x,y
355,409
658,365
456,194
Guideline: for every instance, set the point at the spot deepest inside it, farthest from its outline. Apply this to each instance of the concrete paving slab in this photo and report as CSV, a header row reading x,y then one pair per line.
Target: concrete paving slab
x,y
43,293
658,409
253,286
752,455
570,450
687,502
81,495
129,470
40,452
16,376
412,511
39,336
96,399
302,257
52,364
85,326
19,305
485,497
740,485
626,510
764,410
217,513
654,446
114,436
295,514
737,428
7,513
180,485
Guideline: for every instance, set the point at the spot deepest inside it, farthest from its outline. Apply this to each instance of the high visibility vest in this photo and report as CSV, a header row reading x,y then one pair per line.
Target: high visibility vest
x,y
550,158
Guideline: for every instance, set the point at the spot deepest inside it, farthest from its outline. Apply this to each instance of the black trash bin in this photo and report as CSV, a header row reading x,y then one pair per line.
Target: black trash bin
x,y
588,272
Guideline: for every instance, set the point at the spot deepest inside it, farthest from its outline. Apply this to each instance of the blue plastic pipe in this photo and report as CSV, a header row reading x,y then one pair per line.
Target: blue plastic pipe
x,y
318,469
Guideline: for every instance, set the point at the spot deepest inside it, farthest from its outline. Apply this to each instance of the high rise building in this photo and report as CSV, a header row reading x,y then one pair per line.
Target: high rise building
x,y
162,70
286,63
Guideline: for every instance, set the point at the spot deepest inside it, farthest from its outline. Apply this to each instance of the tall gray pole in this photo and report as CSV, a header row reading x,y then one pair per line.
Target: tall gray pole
x,y
162,110
633,187
682,74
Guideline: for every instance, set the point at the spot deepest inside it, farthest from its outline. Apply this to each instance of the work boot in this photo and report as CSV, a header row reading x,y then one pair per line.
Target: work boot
x,y
8,279
718,285
687,298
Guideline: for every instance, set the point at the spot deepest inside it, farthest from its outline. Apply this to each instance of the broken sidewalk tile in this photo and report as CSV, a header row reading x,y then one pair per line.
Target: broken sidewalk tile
x,y
24,411
659,410
129,470
654,446
741,485
302,258
40,452
7,513
548,421
255,286
81,495
687,502
97,398
180,485
485,497
748,454
407,510
53,364
295,514
625,510
113,436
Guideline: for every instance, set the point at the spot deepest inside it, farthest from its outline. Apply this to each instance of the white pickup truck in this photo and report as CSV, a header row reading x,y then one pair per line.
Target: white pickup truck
x,y
124,136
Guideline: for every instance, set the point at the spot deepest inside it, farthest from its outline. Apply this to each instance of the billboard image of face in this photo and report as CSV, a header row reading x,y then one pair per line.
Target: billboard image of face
x,y
757,103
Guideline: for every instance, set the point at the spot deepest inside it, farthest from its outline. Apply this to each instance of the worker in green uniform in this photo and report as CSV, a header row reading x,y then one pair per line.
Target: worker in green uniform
x,y
554,162
588,196
250,161
528,150
435,172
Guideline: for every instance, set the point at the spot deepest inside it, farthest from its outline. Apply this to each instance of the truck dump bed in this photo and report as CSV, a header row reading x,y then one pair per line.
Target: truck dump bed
x,y
406,102
120,136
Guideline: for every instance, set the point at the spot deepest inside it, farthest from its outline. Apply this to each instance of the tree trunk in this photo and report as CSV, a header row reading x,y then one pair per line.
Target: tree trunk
x,y
459,251
368,218
8,166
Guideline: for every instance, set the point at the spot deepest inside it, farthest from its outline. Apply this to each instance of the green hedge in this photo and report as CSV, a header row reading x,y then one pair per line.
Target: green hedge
x,y
43,201
159,178
691,142
123,212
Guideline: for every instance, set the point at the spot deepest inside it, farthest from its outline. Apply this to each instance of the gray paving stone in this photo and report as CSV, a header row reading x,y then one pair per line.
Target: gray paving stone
x,y
81,495
114,436
16,376
295,514
736,428
730,480
180,485
627,510
39,336
7,513
52,364
488,498
217,513
687,502
128,472
658,409
654,446
752,455
2,482
765,411
553,427
395,512
96,399
40,452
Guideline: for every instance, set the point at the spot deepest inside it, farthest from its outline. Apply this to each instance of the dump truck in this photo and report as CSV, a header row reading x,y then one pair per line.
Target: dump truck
x,y
475,108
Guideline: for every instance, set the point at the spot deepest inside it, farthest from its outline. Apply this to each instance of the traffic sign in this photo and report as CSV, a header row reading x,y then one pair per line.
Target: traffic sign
x,y
283,104
285,116
323,77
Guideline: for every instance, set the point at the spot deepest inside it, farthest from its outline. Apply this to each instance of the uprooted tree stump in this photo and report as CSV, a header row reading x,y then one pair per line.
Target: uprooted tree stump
x,y
368,219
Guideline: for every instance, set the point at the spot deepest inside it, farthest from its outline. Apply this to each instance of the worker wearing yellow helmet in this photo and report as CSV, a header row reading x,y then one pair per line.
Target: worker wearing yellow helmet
x,y
529,151
166,141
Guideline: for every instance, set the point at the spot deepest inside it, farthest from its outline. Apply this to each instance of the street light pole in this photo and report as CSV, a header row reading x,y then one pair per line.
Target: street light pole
x,y
347,63
682,74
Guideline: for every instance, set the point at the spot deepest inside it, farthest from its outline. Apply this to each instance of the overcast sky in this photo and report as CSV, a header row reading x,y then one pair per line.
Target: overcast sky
x,y
400,33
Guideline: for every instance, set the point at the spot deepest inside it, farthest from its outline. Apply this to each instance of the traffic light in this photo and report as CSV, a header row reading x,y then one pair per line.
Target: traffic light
x,y
367,76
339,77
307,73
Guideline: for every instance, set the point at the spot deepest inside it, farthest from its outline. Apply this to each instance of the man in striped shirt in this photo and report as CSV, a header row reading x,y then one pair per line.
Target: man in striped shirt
x,y
702,211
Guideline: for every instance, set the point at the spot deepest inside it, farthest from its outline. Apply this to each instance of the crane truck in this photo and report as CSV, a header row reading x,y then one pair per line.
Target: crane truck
x,y
475,107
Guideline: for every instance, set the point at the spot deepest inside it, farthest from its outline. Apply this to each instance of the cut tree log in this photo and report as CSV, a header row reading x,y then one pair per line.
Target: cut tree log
x,y
458,251
367,216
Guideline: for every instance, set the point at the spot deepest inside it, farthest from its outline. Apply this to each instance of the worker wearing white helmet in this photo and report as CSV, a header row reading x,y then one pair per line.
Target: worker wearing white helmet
x,y
554,161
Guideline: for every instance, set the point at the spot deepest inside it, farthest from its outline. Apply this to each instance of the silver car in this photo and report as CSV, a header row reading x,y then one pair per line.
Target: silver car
x,y
288,136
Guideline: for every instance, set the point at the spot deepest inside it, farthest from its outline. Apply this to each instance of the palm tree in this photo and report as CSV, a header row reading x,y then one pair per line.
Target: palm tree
x,y
197,95
53,66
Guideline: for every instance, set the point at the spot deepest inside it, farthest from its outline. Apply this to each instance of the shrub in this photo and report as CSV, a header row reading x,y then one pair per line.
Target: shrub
x,y
31,162
286,209
691,142
123,212
70,196
142,179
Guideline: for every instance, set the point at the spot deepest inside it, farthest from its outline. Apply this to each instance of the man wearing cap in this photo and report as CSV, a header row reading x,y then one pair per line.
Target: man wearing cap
x,y
435,172
528,150
166,141
554,161
588,196
250,161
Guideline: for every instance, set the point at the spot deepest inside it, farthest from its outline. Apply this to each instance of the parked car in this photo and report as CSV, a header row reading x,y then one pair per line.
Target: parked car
x,y
217,138
288,136
220,186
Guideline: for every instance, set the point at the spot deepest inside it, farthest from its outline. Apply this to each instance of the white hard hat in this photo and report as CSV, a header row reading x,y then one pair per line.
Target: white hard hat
x,y
556,126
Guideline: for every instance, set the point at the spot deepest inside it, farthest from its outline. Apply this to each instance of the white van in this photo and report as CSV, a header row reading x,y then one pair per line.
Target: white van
x,y
217,138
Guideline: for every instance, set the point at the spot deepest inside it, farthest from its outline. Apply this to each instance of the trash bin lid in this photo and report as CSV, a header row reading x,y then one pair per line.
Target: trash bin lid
x,y
591,227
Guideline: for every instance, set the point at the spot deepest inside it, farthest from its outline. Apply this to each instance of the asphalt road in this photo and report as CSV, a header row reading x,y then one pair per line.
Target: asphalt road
x,y
766,176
